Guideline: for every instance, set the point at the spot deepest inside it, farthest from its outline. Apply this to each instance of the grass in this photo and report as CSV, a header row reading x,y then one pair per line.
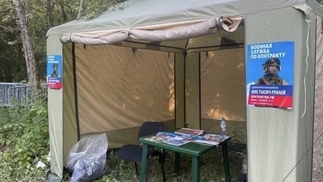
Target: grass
x,y
211,167
21,127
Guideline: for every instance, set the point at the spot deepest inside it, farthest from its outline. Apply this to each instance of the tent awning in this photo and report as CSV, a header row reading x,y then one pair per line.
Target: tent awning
x,y
148,13
165,32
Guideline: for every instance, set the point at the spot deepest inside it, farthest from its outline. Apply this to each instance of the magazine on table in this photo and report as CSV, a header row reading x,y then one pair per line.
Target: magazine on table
x,y
173,138
212,139
155,139
189,131
176,141
180,139
170,138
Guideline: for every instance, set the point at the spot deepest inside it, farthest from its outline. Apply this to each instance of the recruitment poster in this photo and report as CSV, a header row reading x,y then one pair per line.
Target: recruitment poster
x,y
270,74
54,72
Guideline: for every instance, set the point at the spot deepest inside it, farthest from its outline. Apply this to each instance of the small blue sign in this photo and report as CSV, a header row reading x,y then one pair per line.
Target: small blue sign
x,y
54,71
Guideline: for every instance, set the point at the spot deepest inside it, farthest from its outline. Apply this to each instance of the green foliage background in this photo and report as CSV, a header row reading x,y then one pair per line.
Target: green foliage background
x,y
41,16
24,141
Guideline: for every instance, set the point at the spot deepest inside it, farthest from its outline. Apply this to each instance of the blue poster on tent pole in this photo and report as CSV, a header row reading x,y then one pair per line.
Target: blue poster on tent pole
x,y
54,72
270,74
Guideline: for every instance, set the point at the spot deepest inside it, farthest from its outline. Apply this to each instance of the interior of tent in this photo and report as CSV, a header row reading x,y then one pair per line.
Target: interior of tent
x,y
184,83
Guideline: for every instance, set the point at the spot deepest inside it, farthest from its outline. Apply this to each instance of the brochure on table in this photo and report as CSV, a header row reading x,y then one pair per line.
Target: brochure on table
x,y
189,131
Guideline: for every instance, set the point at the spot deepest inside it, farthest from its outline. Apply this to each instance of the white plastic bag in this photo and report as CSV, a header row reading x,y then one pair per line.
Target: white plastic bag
x,y
87,158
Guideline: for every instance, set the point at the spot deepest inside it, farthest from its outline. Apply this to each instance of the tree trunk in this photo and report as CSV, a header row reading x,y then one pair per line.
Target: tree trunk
x,y
64,16
80,10
27,46
50,13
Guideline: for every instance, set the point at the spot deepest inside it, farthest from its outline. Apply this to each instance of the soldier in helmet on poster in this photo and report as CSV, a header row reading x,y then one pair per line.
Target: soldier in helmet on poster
x,y
55,71
271,68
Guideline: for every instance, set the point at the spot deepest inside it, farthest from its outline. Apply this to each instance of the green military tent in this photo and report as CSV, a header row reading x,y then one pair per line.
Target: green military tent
x,y
184,63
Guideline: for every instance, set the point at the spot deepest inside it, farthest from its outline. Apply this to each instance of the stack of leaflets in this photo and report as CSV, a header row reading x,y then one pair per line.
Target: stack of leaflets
x,y
173,138
189,131
212,139
155,139
181,139
176,141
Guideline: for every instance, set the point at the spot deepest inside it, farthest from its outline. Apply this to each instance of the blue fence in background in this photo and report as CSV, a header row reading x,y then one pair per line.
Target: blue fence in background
x,y
14,93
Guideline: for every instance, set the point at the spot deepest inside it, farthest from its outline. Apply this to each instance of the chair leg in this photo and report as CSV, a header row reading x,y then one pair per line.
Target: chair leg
x,y
148,161
136,167
162,158
163,171
118,166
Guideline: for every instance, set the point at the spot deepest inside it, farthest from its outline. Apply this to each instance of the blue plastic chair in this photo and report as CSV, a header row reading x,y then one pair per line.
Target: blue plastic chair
x,y
133,153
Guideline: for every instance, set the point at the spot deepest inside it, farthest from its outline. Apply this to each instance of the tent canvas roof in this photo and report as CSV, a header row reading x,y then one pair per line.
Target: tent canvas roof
x,y
141,13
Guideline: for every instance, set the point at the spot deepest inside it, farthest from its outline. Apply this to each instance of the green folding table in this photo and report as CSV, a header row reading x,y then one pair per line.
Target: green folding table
x,y
193,149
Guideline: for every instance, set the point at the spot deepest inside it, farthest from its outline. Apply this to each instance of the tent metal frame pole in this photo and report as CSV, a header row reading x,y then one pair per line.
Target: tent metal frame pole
x,y
200,115
184,94
169,47
185,56
230,46
175,90
75,92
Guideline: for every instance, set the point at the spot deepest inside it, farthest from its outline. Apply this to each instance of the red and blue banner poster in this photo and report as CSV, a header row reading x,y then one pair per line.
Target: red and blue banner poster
x,y
54,72
270,74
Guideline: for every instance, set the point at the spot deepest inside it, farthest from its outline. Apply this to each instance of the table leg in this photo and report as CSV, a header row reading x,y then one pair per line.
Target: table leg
x,y
226,162
143,164
177,162
195,168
